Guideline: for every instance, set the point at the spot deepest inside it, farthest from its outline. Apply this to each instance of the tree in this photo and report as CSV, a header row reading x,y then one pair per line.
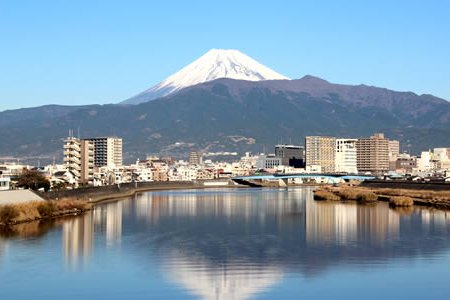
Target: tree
x,y
33,179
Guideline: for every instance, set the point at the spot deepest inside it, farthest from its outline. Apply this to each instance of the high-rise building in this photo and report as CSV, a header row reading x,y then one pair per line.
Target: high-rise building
x,y
394,150
373,154
87,162
79,159
72,156
194,158
291,155
346,156
320,150
107,151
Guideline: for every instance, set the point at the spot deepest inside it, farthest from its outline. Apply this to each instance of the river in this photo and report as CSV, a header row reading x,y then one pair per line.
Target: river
x,y
230,244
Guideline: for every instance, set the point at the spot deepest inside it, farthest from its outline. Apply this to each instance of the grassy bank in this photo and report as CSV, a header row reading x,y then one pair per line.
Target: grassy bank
x,y
395,197
37,210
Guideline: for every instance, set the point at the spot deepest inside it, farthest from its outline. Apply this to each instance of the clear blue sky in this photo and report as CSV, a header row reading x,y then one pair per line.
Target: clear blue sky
x,y
85,52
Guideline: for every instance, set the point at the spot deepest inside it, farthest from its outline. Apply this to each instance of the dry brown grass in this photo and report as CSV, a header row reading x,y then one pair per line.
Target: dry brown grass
x,y
27,211
366,197
348,193
323,195
73,204
401,201
427,195
8,213
39,209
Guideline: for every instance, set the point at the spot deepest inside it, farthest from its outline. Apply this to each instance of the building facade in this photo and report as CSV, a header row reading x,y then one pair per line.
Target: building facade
x,y
107,151
373,154
79,159
291,155
269,161
320,150
194,158
346,156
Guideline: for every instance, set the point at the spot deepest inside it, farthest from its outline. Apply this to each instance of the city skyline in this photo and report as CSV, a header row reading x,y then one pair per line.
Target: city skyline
x,y
84,53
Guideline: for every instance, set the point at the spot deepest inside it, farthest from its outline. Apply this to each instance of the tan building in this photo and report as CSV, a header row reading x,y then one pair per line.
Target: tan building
x,y
195,158
79,159
107,151
373,154
320,150
87,162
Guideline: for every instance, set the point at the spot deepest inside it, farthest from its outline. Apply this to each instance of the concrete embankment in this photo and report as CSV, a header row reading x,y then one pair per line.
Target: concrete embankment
x,y
18,197
102,193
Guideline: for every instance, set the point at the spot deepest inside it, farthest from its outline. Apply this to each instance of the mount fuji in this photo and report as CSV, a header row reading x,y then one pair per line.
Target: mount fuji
x,y
214,64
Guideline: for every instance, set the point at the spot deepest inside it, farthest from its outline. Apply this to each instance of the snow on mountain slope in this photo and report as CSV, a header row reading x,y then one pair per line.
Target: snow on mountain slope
x,y
214,64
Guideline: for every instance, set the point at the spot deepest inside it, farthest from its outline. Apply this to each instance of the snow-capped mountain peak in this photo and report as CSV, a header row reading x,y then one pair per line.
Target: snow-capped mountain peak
x,y
214,64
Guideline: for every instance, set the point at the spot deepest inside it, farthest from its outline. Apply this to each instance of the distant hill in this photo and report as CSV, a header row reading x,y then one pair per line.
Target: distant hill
x,y
235,115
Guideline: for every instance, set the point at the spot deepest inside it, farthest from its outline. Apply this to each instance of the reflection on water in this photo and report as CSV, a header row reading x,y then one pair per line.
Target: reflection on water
x,y
77,237
235,244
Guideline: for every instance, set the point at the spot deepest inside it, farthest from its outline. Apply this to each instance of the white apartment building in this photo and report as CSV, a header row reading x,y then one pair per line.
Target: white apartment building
x,y
346,156
442,158
424,162
4,183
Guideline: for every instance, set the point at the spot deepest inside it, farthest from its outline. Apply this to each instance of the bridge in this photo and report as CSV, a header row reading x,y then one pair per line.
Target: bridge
x,y
283,178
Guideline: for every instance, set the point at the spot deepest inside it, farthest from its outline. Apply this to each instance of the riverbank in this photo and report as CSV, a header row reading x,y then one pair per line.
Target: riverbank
x,y
12,214
395,196
57,204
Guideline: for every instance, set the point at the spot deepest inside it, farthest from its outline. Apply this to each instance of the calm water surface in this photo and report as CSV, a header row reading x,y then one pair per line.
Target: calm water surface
x,y
230,244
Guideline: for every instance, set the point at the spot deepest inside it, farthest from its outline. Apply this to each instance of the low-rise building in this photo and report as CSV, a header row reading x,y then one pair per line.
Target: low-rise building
x,y
268,161
291,155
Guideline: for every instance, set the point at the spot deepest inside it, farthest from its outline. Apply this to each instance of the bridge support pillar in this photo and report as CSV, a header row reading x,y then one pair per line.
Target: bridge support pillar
x,y
283,182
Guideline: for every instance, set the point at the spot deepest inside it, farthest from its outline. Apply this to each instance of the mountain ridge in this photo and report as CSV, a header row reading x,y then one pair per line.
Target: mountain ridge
x,y
235,115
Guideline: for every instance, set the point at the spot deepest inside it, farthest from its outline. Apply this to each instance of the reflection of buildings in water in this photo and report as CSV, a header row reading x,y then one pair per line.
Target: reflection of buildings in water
x,y
378,223
3,245
346,222
436,219
425,218
77,236
330,222
231,203
229,281
113,222
108,219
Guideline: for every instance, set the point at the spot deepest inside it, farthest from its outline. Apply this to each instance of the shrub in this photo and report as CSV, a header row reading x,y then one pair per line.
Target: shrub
x,y
348,194
325,196
8,213
366,197
401,201
47,208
